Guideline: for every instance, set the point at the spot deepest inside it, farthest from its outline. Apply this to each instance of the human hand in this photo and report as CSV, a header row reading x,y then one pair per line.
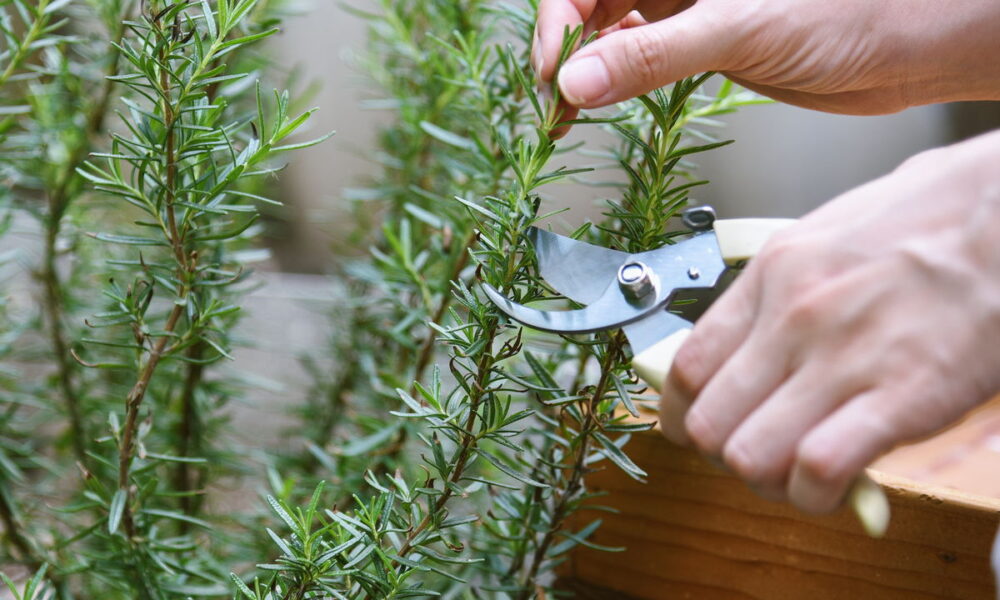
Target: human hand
x,y
855,56
872,321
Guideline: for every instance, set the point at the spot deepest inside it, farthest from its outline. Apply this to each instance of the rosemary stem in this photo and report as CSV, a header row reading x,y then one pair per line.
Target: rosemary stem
x,y
184,273
27,45
484,366
59,201
132,404
575,484
427,348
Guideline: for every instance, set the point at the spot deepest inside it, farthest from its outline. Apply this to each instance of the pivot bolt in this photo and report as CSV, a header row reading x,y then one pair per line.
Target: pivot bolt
x,y
699,218
636,281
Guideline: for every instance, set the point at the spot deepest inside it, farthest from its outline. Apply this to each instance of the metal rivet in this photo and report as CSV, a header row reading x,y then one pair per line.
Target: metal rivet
x,y
694,273
636,281
632,273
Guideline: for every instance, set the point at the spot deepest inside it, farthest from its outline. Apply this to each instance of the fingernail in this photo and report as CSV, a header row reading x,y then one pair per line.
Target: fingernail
x,y
697,426
811,495
584,80
738,459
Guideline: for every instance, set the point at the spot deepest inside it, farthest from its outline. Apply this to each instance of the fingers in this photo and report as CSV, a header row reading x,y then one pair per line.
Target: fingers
x,y
765,408
633,61
716,336
762,449
749,377
555,16
654,10
569,112
632,19
832,455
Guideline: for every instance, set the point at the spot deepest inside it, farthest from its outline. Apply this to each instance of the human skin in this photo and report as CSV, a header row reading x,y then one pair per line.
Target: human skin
x,y
876,318
853,56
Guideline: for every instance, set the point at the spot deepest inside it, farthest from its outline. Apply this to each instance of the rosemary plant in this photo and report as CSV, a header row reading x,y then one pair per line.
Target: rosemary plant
x,y
169,209
446,449
58,110
480,489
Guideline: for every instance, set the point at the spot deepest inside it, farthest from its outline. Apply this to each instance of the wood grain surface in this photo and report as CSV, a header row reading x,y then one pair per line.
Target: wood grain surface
x,y
964,457
693,531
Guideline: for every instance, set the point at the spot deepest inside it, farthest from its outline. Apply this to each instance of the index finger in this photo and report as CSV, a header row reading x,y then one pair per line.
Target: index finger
x,y
555,16
716,336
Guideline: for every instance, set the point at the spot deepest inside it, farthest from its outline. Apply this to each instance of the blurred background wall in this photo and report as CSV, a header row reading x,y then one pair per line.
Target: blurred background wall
x,y
785,161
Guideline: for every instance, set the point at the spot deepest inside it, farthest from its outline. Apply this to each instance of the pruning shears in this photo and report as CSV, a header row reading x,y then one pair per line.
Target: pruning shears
x,y
635,292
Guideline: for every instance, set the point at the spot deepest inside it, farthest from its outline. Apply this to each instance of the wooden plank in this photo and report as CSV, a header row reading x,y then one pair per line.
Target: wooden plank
x,y
693,531
965,457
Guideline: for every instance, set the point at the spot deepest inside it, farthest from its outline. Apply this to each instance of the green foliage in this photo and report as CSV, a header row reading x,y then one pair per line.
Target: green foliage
x,y
157,206
481,487
34,589
446,449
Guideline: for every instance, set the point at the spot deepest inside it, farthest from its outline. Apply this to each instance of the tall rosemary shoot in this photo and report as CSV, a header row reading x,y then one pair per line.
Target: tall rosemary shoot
x,y
478,489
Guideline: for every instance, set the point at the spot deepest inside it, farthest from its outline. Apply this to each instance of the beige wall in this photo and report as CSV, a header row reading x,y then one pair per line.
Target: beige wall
x,y
788,160
321,43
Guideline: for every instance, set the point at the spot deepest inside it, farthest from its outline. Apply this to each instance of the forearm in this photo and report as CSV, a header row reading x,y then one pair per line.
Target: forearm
x,y
951,49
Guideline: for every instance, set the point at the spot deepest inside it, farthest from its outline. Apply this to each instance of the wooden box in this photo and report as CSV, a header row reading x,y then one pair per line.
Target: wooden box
x,y
695,532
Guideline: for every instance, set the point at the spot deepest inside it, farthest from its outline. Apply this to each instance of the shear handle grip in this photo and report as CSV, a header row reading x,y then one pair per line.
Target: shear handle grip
x,y
739,241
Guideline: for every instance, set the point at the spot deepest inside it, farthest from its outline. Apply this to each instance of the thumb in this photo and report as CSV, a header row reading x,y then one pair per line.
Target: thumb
x,y
633,61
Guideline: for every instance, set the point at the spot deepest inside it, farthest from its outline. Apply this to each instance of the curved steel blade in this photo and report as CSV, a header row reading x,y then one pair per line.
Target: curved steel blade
x,y
609,311
577,270
583,271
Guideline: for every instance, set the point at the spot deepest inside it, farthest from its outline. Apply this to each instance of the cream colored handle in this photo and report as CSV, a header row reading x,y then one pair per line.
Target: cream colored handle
x,y
653,363
739,241
870,503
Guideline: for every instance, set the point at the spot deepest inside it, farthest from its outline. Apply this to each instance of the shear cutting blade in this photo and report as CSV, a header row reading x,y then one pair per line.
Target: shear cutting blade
x,y
577,270
589,275
607,312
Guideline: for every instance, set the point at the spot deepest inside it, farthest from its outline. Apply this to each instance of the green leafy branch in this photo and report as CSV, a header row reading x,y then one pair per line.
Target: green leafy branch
x,y
183,165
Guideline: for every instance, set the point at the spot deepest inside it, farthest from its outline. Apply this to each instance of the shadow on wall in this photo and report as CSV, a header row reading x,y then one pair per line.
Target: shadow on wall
x,y
321,42
785,162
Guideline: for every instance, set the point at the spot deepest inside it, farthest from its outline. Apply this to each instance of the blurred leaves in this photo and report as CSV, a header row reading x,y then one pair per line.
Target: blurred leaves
x,y
135,136
444,449
478,417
